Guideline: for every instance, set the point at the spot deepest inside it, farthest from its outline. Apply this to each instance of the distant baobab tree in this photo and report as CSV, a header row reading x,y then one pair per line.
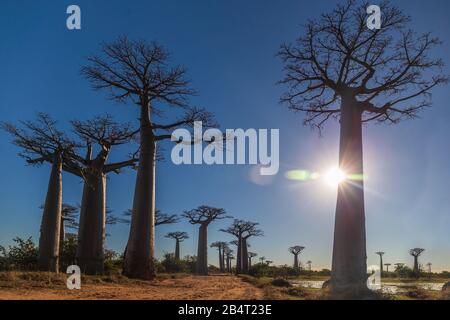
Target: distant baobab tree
x,y
296,250
250,256
160,217
203,216
243,230
398,266
381,253
228,256
309,264
104,132
416,252
42,142
140,72
220,245
269,262
69,219
339,69
387,266
429,264
179,237
262,259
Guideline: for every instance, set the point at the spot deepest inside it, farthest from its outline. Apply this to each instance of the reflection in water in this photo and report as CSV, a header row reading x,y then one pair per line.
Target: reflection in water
x,y
388,287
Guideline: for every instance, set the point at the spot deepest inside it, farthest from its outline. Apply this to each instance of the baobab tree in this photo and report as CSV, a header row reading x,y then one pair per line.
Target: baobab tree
x,y
429,264
262,259
104,132
243,230
296,250
269,262
204,216
69,219
250,256
387,266
161,218
309,264
339,69
140,72
381,253
398,266
179,237
220,245
228,256
42,142
416,252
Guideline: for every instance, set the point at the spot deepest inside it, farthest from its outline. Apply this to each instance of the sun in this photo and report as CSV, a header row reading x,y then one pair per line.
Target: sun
x,y
335,176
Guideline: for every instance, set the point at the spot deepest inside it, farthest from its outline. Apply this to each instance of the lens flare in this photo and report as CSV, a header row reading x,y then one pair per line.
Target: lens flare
x,y
335,176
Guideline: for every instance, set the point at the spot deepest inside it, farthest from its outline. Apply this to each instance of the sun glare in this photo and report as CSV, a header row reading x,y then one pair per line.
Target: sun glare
x,y
335,176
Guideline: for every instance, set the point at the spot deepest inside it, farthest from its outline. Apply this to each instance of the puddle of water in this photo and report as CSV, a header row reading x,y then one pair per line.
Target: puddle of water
x,y
388,287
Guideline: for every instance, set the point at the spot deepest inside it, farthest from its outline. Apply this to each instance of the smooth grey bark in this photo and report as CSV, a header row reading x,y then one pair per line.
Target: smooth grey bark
x,y
91,233
239,255
223,260
349,266
202,250
244,257
177,249
296,261
381,264
49,241
62,233
416,267
221,266
139,254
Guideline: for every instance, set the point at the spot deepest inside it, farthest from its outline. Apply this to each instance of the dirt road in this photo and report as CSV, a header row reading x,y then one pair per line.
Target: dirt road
x,y
189,287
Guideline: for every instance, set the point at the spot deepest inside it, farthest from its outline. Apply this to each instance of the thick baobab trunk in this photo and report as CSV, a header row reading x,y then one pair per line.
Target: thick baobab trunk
x,y
139,254
239,256
49,240
177,249
62,234
244,257
296,261
91,233
416,267
228,264
249,262
349,267
202,251
381,265
221,266
223,259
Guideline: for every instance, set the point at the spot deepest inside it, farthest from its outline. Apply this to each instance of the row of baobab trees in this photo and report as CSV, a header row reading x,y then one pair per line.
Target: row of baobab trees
x,y
415,253
336,69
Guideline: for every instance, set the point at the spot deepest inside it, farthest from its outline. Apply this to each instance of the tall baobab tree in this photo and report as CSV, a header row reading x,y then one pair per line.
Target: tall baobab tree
x,y
40,141
105,133
381,253
269,262
339,69
387,266
262,259
179,237
140,72
416,252
243,230
250,256
204,216
220,245
429,264
228,256
69,219
309,264
296,250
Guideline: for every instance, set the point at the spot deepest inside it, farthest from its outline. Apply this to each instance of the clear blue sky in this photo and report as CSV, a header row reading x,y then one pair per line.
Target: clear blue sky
x,y
229,48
